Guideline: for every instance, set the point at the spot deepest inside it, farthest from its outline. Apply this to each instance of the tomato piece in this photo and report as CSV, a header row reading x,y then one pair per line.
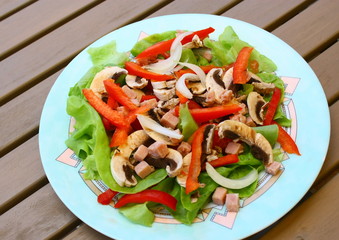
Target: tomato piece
x,y
106,197
240,66
148,195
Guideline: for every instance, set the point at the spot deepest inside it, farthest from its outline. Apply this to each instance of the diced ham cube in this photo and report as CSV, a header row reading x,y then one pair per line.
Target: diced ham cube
x,y
219,196
184,148
141,153
232,202
158,150
129,92
152,103
273,168
250,122
169,120
143,169
233,148
226,96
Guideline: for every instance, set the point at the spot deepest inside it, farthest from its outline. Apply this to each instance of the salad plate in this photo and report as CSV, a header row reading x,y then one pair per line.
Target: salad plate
x,y
305,104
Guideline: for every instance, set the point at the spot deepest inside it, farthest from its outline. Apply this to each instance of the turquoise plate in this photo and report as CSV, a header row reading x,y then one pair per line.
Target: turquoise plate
x,y
276,195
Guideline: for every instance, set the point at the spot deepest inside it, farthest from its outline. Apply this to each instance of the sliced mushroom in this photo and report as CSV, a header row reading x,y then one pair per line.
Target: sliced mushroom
x,y
136,82
164,94
158,84
175,161
259,85
97,84
208,139
182,177
195,43
256,104
214,82
121,168
196,88
260,147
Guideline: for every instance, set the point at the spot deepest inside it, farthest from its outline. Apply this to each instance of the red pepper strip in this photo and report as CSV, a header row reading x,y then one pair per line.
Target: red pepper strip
x,y
286,142
115,91
191,105
119,137
182,98
206,69
137,70
147,97
107,124
201,115
228,159
164,46
112,102
115,118
106,197
240,66
192,182
272,106
133,114
146,196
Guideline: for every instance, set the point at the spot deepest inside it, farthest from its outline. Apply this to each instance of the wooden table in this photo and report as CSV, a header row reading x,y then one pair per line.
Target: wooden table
x,y
39,38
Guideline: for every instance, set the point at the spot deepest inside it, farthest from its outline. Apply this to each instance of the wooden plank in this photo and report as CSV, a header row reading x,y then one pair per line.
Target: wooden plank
x,y
21,171
45,54
263,13
29,104
84,232
197,6
312,29
327,74
8,6
26,24
316,218
332,158
37,217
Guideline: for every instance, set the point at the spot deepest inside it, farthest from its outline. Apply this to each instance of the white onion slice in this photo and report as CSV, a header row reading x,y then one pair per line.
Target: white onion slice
x,y
231,183
180,85
165,66
201,74
148,123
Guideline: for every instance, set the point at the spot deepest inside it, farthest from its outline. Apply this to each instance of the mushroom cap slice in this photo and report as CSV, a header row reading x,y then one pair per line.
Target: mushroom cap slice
x,y
174,170
121,168
255,104
261,149
164,94
214,82
136,82
236,130
182,177
97,84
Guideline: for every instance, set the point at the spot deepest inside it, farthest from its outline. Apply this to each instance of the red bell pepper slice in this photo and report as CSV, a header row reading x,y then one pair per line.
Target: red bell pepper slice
x,y
286,142
115,91
222,161
113,116
148,195
206,69
112,102
240,66
137,70
147,97
106,197
220,142
201,115
164,46
119,137
272,106
192,182
182,98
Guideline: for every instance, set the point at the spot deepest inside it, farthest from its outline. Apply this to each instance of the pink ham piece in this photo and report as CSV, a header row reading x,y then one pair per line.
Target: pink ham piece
x,y
232,202
233,148
129,92
152,103
143,169
273,168
184,148
169,120
141,153
219,196
158,150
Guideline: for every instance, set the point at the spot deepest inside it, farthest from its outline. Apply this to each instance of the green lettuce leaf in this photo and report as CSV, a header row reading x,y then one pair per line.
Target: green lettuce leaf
x,y
187,124
270,132
226,49
188,56
139,214
151,40
240,172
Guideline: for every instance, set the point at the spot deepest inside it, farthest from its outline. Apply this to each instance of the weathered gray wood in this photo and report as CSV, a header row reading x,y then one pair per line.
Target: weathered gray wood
x,y
84,232
34,19
37,217
29,64
9,6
